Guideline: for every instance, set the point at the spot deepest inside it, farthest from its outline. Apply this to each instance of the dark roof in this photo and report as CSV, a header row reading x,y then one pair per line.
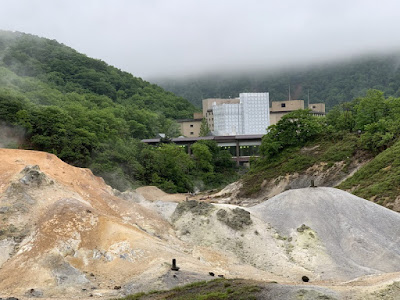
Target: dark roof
x,y
188,120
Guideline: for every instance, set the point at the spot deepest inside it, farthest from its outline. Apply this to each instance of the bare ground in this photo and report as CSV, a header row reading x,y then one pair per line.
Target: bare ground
x,y
63,231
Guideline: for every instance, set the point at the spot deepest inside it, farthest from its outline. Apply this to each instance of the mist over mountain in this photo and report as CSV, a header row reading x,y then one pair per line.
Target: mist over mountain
x,y
331,83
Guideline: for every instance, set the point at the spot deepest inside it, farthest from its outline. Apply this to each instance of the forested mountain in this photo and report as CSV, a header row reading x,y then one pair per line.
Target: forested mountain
x,y
92,115
63,69
329,83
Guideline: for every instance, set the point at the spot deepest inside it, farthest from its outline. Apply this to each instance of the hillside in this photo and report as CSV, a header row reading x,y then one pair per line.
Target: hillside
x,y
355,147
90,114
330,163
59,68
67,234
329,83
379,179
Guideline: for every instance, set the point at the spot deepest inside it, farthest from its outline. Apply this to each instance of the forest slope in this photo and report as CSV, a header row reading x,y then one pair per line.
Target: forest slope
x,y
329,83
90,114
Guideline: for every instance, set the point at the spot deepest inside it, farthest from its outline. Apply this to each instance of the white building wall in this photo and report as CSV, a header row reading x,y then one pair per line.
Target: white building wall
x,y
250,116
228,119
255,112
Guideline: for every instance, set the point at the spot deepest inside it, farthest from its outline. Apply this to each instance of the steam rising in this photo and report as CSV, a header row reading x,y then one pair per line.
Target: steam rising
x,y
10,136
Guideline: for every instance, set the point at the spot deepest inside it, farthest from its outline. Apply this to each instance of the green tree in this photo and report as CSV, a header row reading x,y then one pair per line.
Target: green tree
x,y
370,109
204,128
202,157
294,129
342,117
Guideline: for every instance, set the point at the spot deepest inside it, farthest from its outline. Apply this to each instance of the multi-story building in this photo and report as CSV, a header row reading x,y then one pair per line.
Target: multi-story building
x,y
191,127
249,116
208,113
281,108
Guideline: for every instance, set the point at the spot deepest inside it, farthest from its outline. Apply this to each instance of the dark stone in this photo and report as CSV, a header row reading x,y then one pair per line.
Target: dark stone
x,y
236,219
305,279
117,287
33,176
211,273
193,206
221,276
302,228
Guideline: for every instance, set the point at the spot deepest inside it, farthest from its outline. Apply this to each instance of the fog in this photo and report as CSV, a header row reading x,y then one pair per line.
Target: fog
x,y
156,38
11,136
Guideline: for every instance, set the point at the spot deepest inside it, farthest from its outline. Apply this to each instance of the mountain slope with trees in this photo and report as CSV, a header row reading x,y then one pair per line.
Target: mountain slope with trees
x,y
93,115
363,131
332,84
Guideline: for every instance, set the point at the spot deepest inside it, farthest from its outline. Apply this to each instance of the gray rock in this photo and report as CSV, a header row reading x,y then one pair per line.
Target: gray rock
x,y
68,275
4,209
34,293
360,236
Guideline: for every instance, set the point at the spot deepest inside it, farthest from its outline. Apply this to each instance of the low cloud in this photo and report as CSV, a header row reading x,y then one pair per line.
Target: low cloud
x,y
180,37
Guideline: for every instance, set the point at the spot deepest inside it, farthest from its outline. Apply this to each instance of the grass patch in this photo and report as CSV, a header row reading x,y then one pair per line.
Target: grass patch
x,y
379,179
234,289
298,160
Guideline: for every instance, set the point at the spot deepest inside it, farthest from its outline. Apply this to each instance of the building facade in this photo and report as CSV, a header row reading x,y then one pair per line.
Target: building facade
x,y
281,108
191,127
208,112
249,116
255,112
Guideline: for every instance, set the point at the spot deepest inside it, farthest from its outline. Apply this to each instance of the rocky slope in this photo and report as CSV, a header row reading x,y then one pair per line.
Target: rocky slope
x,y
64,233
319,173
324,233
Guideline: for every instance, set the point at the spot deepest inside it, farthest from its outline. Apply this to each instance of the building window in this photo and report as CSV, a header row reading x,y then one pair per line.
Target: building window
x,y
283,105
191,133
191,125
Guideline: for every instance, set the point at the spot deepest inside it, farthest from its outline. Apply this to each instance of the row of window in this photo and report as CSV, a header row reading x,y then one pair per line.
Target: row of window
x,y
243,150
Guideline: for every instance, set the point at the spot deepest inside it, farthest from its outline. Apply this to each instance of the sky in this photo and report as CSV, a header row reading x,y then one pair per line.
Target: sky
x,y
169,38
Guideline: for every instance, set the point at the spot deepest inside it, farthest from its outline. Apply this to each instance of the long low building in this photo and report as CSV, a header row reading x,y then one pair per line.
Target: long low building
x,y
241,147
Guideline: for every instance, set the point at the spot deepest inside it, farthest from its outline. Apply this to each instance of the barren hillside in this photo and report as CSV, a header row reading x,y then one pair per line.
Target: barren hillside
x,y
65,233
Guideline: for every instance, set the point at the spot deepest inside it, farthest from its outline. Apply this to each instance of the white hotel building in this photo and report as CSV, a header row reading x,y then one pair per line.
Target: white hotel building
x,y
249,116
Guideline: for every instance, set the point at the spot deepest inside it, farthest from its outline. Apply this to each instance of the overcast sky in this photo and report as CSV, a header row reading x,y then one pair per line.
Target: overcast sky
x,y
150,38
